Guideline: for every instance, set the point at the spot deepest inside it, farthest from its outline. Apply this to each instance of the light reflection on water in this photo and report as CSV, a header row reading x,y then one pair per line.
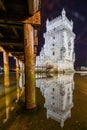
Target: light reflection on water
x,y
65,96
58,94
10,95
74,99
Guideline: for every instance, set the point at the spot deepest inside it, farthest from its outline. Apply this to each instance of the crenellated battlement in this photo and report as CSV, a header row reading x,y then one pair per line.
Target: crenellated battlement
x,y
59,21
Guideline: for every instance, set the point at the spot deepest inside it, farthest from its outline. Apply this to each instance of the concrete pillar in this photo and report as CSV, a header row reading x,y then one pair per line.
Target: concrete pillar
x,y
6,69
29,67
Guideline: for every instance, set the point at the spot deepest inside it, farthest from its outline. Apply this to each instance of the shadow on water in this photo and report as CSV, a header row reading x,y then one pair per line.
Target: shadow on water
x,y
61,103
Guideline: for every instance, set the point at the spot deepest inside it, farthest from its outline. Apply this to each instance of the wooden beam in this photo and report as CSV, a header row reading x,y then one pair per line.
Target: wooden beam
x,y
17,44
2,6
1,49
20,57
12,40
10,55
34,20
9,44
17,52
15,31
1,35
11,24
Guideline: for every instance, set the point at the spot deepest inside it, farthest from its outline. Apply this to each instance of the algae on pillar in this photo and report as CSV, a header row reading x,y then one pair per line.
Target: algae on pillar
x,y
29,67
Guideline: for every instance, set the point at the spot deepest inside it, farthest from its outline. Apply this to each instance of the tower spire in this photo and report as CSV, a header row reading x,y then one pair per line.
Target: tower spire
x,y
63,13
47,21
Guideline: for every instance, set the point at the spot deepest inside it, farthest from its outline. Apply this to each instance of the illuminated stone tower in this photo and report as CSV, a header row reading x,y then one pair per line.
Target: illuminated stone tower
x,y
58,50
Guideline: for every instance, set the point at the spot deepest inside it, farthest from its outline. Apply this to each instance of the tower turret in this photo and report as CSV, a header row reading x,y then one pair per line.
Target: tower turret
x,y
63,13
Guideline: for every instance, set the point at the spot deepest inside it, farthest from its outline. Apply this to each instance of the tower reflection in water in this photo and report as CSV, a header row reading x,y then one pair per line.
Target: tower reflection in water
x,y
58,94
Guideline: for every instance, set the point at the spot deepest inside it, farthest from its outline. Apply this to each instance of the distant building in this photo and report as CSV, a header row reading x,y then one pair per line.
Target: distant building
x,y
58,50
1,69
83,68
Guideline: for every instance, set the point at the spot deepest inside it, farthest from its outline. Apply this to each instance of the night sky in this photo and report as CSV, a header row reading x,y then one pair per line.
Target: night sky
x,y
12,63
75,10
1,59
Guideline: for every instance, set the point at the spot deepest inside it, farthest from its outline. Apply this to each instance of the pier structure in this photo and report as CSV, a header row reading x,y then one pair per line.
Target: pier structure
x,y
19,25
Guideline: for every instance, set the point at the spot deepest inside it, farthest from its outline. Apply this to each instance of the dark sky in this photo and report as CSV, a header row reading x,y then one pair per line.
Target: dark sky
x,y
75,10
1,58
12,63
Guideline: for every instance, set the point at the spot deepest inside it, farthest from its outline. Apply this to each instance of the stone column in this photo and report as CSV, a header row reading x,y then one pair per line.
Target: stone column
x,y
6,69
29,67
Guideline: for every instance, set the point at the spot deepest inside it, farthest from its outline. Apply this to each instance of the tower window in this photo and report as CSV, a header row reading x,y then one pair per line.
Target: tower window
x,y
53,37
53,53
69,53
54,29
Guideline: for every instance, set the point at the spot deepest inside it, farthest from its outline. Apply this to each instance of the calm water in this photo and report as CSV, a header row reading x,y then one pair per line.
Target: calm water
x,y
64,104
65,100
9,95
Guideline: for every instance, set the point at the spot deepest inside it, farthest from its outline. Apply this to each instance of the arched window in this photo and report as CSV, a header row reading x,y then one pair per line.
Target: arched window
x,y
53,37
63,49
53,53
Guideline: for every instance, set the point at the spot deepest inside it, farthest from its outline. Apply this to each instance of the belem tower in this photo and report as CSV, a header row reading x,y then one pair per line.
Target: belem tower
x,y
58,50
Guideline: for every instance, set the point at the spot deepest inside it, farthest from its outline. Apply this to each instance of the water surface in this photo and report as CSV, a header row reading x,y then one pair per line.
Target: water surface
x,y
61,103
